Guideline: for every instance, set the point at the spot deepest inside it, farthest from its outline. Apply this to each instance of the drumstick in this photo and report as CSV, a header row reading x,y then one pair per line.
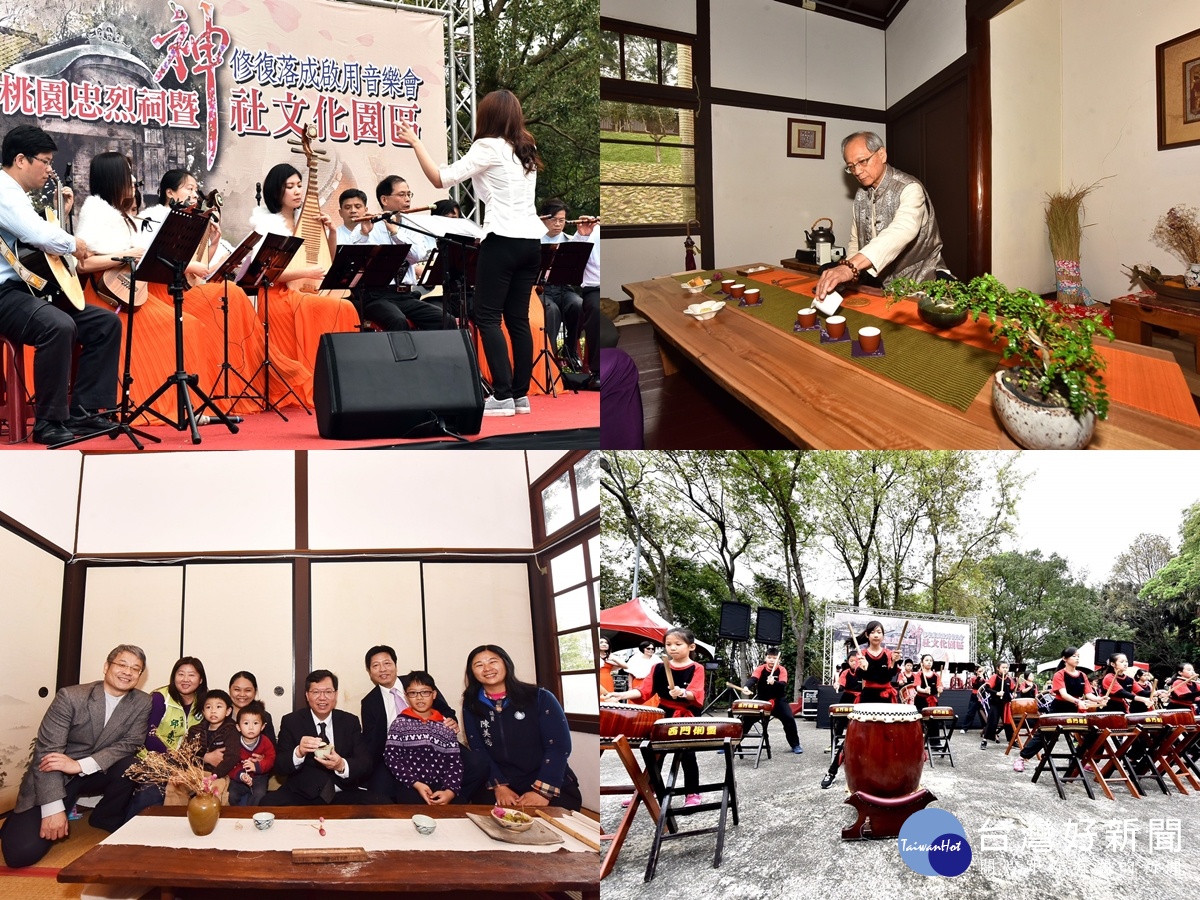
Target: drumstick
x,y
738,687
666,664
583,839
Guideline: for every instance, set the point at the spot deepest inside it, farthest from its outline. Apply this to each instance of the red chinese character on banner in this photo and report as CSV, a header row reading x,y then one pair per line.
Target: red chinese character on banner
x,y
246,108
184,107
16,95
366,122
53,98
85,101
120,104
293,106
403,113
329,112
207,51
152,106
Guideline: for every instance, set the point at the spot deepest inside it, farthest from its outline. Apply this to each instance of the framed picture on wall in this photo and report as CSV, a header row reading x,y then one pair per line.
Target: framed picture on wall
x,y
1178,68
806,138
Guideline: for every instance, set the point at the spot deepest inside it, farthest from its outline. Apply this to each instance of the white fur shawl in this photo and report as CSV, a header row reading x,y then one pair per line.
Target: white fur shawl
x,y
105,230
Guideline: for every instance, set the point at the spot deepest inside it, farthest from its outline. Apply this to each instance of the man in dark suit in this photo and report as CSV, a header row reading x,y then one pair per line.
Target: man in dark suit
x,y
321,750
380,708
85,743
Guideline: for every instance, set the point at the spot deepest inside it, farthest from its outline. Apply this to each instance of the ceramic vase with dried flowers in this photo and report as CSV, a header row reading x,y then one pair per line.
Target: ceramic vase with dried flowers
x,y
181,766
1178,232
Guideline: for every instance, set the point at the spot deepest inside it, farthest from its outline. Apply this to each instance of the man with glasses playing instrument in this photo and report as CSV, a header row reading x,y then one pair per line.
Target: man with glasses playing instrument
x,y
894,232
87,739
51,330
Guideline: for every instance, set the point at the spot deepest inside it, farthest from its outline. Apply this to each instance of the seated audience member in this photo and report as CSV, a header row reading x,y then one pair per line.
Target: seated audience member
x,y
523,732
321,750
174,709
355,228
422,752
218,749
447,208
243,690
86,741
255,760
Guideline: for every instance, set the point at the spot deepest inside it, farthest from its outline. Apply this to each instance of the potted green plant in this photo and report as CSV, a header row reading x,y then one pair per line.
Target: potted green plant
x,y
1052,398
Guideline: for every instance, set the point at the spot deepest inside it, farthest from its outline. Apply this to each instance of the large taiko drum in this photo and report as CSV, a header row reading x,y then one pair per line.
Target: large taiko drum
x,y
938,712
624,718
751,708
1180,717
1024,706
1151,719
1082,721
694,732
885,747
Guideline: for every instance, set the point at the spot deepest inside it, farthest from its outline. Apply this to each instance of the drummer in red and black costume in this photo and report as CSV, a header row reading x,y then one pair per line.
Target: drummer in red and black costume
x,y
1117,684
851,683
1000,689
974,683
879,669
1070,688
1143,691
1026,688
904,679
1185,690
772,685
926,681
684,700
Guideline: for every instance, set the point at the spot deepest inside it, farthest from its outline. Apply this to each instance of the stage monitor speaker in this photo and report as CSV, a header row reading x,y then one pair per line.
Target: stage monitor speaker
x,y
769,627
1105,649
396,384
826,695
735,621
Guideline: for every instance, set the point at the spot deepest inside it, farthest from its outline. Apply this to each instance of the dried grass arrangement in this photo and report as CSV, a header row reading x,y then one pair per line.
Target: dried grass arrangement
x,y
1178,232
1064,222
180,765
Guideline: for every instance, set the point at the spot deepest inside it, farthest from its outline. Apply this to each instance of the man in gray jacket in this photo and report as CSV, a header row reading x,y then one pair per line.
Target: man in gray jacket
x,y
86,741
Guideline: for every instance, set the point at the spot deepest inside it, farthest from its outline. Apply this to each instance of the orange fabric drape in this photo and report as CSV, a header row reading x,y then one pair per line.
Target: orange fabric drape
x,y
537,326
297,321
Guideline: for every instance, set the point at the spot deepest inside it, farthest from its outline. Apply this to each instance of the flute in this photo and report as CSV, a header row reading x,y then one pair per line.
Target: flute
x,y
586,219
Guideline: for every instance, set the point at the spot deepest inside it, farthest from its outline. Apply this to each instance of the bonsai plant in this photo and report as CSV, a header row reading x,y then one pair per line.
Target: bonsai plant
x,y
1058,368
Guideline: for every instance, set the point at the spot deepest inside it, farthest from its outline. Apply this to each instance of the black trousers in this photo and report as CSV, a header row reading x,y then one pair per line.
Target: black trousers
x,y
20,836
569,306
393,310
783,712
504,276
350,797
589,318
995,710
973,710
53,331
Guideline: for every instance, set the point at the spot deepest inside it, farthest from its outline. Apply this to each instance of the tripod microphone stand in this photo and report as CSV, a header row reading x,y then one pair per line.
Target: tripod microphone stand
x,y
225,274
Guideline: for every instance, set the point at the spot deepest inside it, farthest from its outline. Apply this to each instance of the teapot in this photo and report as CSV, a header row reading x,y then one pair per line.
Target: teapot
x,y
821,240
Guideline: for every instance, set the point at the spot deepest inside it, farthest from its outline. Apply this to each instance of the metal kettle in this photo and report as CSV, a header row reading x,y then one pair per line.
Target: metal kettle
x,y
821,240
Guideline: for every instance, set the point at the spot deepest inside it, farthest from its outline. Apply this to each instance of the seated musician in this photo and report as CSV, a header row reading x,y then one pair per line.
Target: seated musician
x,y
999,688
1185,690
562,302
297,317
108,222
356,225
608,662
879,667
1117,684
1071,689
769,682
927,683
639,665
448,208
52,331
401,307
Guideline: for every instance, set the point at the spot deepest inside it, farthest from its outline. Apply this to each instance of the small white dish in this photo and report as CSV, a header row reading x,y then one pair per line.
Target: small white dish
x,y
263,820
424,824
512,819
706,310
696,288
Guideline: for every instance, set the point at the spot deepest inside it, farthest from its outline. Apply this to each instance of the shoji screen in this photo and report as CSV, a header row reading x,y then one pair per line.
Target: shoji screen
x,y
132,605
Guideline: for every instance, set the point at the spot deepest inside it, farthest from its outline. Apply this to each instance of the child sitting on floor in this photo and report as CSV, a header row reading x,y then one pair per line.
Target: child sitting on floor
x,y
218,748
256,759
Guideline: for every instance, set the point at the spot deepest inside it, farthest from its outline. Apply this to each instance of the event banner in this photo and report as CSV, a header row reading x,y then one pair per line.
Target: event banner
x,y
219,87
946,641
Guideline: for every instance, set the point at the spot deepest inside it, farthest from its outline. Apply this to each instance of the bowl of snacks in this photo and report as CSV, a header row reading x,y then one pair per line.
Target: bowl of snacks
x,y
706,310
696,285
512,819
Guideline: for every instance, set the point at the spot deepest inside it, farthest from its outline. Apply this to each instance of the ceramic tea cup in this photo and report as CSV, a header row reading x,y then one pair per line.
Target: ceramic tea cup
x,y
726,285
263,820
806,318
736,291
868,339
835,326
751,296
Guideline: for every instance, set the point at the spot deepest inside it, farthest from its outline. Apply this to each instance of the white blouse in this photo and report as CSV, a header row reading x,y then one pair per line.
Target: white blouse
x,y
502,184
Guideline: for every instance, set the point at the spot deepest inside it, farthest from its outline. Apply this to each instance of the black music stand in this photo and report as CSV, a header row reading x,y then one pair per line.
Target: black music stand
x,y
273,257
562,265
452,265
226,273
358,267
169,255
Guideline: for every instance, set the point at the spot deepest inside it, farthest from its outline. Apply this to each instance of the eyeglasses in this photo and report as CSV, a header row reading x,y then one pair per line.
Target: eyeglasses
x,y
323,692
418,693
45,162
136,670
407,194
862,162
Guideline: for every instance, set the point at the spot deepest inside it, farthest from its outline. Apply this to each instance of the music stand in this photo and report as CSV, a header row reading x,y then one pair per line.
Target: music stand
x,y
357,267
226,273
562,265
452,264
169,255
273,257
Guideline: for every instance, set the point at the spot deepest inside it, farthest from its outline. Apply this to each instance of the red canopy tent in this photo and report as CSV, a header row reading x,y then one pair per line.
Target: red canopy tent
x,y
637,618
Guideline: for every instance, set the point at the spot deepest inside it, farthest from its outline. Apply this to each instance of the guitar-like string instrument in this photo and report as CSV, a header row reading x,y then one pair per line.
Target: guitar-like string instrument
x,y
315,251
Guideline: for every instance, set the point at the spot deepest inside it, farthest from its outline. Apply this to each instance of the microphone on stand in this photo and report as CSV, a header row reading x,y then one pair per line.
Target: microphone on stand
x,y
213,420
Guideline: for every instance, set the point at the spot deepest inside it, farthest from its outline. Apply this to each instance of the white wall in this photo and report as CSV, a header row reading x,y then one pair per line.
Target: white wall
x,y
638,259
764,200
922,40
1027,133
1109,129
677,15
41,490
758,46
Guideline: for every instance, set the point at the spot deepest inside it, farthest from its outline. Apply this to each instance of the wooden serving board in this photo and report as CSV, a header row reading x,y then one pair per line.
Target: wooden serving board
x,y
329,855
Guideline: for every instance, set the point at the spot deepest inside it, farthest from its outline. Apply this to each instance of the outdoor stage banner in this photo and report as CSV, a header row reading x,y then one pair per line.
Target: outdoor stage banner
x,y
947,640
217,87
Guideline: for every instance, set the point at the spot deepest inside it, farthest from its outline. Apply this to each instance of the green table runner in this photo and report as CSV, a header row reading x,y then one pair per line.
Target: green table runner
x,y
944,369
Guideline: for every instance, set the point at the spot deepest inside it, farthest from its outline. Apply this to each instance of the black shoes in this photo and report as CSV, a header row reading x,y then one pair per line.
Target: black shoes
x,y
47,431
84,423
983,745
827,780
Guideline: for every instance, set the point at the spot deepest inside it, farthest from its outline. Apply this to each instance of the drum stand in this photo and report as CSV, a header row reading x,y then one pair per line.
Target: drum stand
x,y
1106,755
937,738
642,793
1022,733
1072,767
882,817
654,753
1142,758
1181,754
758,742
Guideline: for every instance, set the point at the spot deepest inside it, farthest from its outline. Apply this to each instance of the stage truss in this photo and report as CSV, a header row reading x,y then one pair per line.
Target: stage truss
x,y
459,17
866,613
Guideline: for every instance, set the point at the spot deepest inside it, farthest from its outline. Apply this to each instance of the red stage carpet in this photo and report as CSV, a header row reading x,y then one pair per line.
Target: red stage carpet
x,y
551,416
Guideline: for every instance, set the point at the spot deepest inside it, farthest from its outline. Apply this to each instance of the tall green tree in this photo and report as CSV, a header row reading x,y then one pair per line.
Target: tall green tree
x,y
1174,591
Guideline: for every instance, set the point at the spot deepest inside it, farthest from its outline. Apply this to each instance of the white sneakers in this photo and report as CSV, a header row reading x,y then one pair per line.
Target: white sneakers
x,y
510,407
521,404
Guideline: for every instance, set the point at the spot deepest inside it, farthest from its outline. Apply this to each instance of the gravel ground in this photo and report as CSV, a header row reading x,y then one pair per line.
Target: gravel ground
x,y
1026,842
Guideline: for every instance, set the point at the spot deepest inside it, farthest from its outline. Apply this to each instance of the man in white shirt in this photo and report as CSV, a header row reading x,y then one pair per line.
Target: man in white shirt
x,y
562,302
894,231
52,331
87,739
352,207
589,317
394,310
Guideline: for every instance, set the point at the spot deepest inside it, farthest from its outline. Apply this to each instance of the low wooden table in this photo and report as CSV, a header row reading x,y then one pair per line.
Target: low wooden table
x,y
1133,319
816,399
475,873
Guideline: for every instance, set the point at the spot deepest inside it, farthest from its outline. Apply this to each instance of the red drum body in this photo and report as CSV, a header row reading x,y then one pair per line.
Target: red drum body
x,y
885,747
691,731
1024,706
938,712
1180,717
624,718
1082,721
752,708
